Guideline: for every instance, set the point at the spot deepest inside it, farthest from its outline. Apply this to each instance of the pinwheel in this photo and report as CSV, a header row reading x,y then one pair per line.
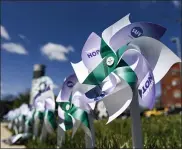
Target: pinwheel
x,y
17,139
131,53
72,108
14,118
24,109
17,117
29,121
8,117
44,105
25,123
107,81
21,116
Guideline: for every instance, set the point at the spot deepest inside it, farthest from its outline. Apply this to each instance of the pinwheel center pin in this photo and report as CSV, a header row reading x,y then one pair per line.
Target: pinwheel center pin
x,y
67,107
110,61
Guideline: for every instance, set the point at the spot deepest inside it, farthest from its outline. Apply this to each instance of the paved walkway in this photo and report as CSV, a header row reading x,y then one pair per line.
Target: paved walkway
x,y
5,133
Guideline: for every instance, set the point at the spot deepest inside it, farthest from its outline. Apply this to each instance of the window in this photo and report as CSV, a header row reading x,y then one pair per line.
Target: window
x,y
175,82
174,73
177,94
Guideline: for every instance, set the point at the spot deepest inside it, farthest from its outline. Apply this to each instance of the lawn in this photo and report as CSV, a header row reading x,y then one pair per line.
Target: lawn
x,y
158,132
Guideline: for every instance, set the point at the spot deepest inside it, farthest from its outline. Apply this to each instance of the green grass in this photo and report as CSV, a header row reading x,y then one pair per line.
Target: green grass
x,y
158,132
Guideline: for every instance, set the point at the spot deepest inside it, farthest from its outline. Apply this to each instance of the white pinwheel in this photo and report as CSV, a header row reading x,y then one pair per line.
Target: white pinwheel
x,y
130,52
72,107
44,104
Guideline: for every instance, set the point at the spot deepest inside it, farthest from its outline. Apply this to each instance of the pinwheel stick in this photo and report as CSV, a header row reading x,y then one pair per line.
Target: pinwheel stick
x,y
136,121
60,137
90,143
43,135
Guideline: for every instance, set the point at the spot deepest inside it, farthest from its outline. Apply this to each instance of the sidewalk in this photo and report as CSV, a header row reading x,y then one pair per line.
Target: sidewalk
x,y
5,133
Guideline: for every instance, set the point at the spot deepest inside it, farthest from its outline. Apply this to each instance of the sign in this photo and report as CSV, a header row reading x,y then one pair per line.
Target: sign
x,y
136,32
92,54
146,85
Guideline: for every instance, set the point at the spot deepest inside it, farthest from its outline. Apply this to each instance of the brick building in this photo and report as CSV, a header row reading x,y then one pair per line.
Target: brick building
x,y
171,88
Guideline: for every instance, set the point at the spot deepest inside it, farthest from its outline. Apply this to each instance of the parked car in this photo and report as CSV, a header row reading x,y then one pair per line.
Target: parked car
x,y
156,112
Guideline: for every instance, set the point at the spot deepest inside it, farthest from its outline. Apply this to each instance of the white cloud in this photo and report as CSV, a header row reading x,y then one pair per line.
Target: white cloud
x,y
177,3
14,48
4,33
56,51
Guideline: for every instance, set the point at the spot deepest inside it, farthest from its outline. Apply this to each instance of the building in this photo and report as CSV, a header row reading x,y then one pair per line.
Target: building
x,y
171,87
38,71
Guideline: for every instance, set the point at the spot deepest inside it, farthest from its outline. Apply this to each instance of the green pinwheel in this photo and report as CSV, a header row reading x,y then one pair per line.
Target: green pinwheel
x,y
110,64
44,104
71,108
72,114
111,49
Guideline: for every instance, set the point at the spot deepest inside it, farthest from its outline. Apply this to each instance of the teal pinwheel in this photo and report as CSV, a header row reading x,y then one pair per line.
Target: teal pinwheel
x,y
130,52
72,110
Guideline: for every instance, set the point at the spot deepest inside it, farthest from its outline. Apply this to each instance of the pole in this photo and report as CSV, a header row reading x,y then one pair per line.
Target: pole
x,y
178,46
60,135
136,121
44,133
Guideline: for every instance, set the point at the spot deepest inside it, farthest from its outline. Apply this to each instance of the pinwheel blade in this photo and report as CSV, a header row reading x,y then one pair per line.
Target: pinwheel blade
x,y
91,52
119,100
66,89
108,33
75,127
131,32
61,113
49,121
80,70
156,54
146,82
13,139
80,100
68,120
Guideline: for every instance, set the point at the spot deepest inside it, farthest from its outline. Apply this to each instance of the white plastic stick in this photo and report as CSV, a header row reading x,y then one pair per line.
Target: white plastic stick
x,y
44,133
136,121
90,143
60,136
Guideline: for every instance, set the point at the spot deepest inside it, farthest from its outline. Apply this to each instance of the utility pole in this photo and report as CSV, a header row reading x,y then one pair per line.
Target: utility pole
x,y
177,41
178,44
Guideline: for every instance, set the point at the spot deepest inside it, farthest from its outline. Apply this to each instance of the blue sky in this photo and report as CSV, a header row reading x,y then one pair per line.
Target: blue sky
x,y
30,28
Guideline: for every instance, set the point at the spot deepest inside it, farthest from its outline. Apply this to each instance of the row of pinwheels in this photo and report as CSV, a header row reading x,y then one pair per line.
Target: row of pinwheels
x,y
38,119
128,59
